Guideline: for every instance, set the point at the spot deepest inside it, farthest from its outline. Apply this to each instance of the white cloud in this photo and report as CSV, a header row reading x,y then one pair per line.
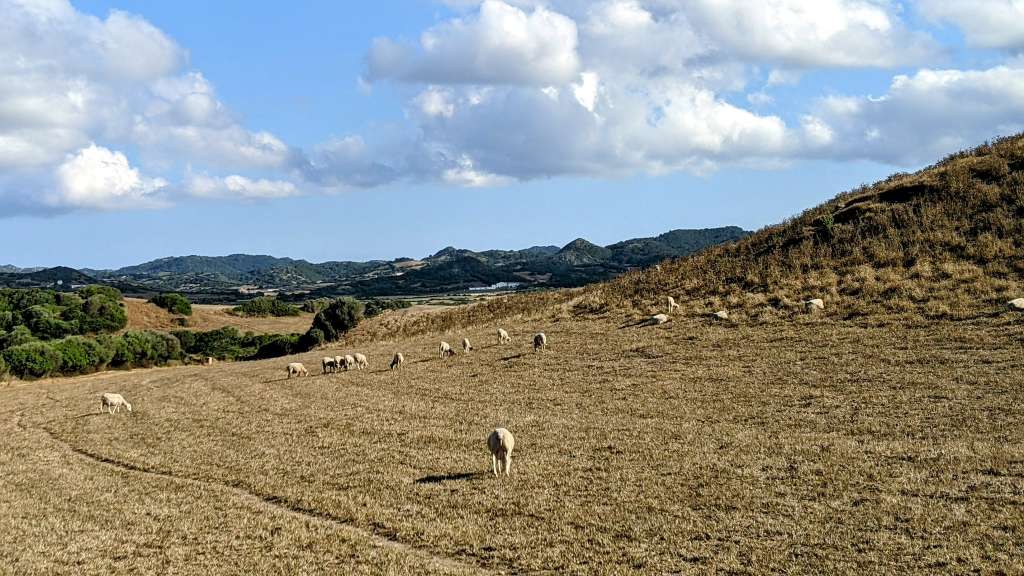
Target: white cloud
x,y
985,23
925,116
236,186
98,178
500,44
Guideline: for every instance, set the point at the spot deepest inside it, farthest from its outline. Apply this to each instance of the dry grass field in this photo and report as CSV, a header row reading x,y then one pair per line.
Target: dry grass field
x,y
145,316
810,446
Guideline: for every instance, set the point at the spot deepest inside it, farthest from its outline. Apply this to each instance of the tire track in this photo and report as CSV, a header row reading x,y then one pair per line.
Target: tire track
x,y
275,503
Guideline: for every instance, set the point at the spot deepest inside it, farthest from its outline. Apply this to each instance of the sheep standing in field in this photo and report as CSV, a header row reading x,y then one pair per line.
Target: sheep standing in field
x,y
113,402
814,305
466,346
328,365
297,369
672,304
503,336
501,442
361,361
338,362
540,340
209,361
657,319
444,350
1016,304
347,362
397,361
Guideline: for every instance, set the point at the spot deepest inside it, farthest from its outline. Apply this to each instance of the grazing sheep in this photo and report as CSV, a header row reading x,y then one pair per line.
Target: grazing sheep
x,y
672,304
814,305
397,361
540,340
721,315
113,402
657,319
1016,304
361,361
466,346
209,361
348,362
338,362
444,350
329,365
297,369
501,442
503,336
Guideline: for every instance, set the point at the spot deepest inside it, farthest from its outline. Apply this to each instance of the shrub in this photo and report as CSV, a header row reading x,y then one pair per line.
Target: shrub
x,y
311,339
173,302
315,305
224,343
265,306
80,354
32,360
144,348
376,306
99,290
44,323
101,314
16,337
3,368
278,345
338,318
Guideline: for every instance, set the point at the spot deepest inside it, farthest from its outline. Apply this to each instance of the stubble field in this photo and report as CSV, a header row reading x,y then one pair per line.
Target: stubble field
x,y
812,446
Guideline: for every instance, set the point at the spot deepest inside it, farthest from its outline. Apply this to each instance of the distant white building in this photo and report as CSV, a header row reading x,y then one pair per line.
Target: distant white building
x,y
498,286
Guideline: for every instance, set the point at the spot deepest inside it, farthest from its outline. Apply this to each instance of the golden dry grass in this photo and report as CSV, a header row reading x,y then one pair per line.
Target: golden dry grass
x,y
145,316
810,447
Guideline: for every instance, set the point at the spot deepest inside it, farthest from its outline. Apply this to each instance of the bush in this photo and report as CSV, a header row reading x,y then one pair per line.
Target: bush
x,y
3,368
101,314
44,323
224,343
144,348
173,302
311,339
81,355
32,360
315,305
16,337
338,318
376,306
265,306
278,345
99,290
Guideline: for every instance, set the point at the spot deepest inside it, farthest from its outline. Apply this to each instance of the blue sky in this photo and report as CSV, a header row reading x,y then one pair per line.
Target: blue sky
x,y
133,130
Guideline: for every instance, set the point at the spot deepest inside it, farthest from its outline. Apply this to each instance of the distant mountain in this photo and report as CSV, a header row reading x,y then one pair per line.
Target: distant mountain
x,y
59,277
8,269
450,269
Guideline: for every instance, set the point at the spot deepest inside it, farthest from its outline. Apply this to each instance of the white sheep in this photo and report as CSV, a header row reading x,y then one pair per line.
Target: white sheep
x,y
113,402
361,361
209,361
397,361
339,362
721,315
466,346
1016,304
501,442
540,340
657,319
672,304
503,336
297,369
328,365
814,305
347,362
444,350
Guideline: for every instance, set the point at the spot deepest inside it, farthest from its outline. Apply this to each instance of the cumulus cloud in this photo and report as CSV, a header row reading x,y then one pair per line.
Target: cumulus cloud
x,y
99,178
68,79
500,44
985,23
925,115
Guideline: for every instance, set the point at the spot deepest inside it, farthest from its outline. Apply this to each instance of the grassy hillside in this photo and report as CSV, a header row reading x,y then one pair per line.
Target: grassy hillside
x,y
944,242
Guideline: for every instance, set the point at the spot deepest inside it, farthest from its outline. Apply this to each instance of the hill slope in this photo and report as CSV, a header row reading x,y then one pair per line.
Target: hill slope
x,y
947,241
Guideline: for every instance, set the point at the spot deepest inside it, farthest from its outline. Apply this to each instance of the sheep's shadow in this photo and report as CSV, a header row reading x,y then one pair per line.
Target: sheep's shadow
x,y
88,414
646,322
514,356
450,477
